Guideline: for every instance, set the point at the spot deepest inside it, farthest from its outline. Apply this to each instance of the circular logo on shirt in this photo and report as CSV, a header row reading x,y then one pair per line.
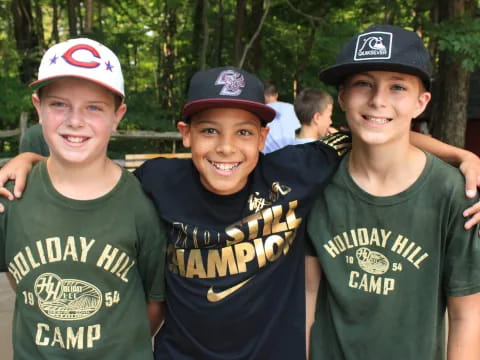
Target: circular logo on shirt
x,y
372,261
66,299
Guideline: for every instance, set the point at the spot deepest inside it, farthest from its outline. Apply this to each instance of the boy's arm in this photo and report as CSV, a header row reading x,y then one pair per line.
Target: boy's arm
x,y
11,281
313,274
17,169
464,327
155,311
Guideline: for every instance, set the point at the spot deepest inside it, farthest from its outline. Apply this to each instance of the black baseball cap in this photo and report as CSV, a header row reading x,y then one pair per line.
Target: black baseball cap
x,y
381,48
227,87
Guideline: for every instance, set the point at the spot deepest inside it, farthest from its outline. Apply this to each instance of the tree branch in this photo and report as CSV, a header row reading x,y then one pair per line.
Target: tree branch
x,y
255,35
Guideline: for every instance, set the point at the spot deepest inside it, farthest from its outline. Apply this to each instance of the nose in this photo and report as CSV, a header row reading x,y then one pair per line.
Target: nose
x,y
378,96
225,145
75,118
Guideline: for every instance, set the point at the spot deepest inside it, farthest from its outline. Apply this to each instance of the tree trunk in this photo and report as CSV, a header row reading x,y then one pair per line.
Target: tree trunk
x,y
240,11
39,23
72,17
200,35
449,117
89,16
218,36
166,69
204,48
55,35
26,39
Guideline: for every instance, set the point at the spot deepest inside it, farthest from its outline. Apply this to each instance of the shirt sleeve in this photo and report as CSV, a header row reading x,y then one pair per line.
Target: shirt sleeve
x,y
462,260
340,141
151,257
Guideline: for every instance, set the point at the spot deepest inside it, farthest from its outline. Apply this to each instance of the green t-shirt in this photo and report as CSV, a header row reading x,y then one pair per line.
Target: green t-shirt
x,y
83,269
33,141
389,265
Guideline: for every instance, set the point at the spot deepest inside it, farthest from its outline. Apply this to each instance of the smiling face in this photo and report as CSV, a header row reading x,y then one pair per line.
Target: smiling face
x,y
379,105
77,117
225,145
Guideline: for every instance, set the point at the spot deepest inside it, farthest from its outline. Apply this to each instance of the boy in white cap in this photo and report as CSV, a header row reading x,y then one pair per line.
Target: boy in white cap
x,y
84,245
388,230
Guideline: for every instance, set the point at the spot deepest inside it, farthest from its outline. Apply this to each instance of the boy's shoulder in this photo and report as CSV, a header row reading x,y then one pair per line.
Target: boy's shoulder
x,y
333,146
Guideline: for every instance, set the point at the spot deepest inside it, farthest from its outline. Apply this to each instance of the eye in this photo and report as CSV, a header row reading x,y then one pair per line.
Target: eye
x,y
361,83
94,108
58,104
398,87
244,132
209,131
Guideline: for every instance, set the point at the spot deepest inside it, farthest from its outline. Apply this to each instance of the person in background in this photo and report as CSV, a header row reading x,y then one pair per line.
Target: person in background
x,y
283,127
33,141
313,108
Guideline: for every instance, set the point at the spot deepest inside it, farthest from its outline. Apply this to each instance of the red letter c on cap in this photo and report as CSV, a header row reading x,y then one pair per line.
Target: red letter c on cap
x,y
68,56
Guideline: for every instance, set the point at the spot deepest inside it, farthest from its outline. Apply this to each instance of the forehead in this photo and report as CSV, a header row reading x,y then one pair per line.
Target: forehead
x,y
66,87
387,76
225,117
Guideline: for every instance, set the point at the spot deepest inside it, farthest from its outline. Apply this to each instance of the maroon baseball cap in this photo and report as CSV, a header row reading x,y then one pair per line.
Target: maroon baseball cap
x,y
227,87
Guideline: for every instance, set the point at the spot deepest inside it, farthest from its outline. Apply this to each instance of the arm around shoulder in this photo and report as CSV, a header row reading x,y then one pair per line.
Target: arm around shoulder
x,y
17,169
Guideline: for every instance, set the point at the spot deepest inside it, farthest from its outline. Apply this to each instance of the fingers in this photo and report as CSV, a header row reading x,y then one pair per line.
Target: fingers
x,y
474,213
471,183
4,192
20,183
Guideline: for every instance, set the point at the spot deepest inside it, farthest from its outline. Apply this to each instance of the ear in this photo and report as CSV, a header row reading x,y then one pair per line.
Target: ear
x,y
316,118
36,104
422,102
184,129
122,109
263,137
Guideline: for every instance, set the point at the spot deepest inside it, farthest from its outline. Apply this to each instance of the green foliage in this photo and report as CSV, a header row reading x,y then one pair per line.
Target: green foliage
x,y
14,99
143,36
460,38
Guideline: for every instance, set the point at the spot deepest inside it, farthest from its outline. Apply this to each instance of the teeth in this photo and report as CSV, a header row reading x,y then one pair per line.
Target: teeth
x,y
224,167
377,120
75,139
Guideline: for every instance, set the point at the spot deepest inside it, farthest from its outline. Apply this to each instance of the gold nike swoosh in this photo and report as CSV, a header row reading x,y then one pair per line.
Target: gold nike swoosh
x,y
213,296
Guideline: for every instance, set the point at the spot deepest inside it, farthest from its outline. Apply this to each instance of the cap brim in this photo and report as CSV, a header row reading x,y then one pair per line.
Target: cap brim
x,y
336,74
264,112
39,83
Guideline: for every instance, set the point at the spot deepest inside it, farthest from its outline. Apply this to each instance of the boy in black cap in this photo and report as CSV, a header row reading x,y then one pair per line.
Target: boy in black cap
x,y
388,230
235,257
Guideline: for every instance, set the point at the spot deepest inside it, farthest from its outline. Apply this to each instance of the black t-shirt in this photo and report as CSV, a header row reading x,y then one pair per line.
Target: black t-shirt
x,y
235,279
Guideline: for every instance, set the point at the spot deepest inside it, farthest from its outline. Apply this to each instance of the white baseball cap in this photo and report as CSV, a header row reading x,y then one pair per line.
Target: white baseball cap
x,y
81,58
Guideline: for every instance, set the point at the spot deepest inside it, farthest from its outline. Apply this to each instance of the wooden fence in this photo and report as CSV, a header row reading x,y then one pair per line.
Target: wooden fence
x,y
172,136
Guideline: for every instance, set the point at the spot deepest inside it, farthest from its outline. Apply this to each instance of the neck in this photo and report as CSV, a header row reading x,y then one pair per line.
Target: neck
x,y
308,132
386,169
83,182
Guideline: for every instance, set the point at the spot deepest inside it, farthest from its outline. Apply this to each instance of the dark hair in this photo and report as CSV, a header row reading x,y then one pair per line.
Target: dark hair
x,y
117,99
309,102
269,88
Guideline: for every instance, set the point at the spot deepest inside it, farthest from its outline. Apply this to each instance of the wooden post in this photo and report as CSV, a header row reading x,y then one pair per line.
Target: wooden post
x,y
23,125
